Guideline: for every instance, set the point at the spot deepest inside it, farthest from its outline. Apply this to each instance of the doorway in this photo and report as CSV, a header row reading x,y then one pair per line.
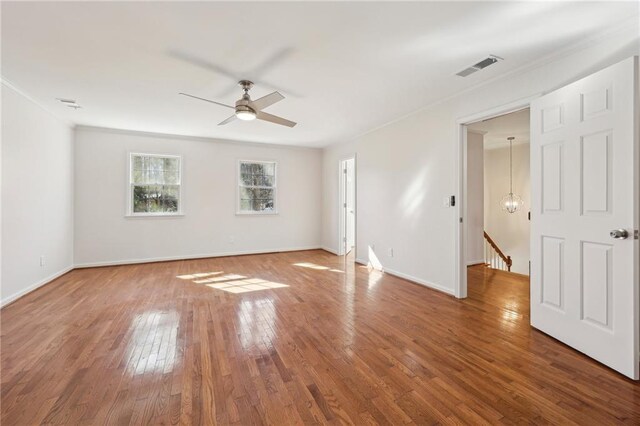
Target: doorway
x,y
497,203
462,237
347,210
498,198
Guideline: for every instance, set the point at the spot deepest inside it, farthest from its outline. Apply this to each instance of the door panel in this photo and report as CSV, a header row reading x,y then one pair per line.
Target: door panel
x,y
351,205
552,272
552,177
596,163
584,178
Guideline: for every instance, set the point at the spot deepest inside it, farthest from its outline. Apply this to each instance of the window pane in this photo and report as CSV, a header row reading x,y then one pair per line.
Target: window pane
x,y
257,199
257,174
268,168
171,164
245,205
245,178
155,170
137,162
155,198
170,177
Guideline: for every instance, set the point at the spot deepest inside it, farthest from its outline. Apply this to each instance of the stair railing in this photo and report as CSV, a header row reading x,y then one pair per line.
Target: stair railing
x,y
494,257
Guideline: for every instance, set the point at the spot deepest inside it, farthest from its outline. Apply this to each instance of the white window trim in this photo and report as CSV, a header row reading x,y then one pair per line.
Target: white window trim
x,y
275,190
130,213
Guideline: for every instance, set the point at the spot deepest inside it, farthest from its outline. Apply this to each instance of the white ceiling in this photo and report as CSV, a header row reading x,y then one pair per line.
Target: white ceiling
x,y
498,129
345,68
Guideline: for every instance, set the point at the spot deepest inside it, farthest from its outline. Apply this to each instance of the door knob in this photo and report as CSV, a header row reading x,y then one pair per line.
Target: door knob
x,y
619,234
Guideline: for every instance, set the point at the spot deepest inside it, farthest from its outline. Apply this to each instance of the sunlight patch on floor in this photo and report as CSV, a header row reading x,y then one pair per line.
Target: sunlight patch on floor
x,y
317,267
245,286
231,283
199,275
220,279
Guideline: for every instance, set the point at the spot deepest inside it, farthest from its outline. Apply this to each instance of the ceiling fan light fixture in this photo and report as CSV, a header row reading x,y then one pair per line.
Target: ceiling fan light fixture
x,y
246,115
244,111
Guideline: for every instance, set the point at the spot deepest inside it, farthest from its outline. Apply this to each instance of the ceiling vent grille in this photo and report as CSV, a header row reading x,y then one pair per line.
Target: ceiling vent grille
x,y
71,103
492,59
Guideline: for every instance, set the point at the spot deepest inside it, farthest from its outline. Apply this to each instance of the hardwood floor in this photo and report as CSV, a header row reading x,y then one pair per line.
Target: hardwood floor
x,y
291,338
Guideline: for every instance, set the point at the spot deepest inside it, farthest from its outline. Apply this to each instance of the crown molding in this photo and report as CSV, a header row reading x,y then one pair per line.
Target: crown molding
x,y
477,132
142,133
8,84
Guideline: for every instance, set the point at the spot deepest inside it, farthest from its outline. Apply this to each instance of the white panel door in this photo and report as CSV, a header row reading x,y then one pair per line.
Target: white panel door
x,y
351,204
584,184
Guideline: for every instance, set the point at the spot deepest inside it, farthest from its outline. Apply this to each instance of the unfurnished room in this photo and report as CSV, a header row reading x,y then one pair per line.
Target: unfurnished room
x,y
247,213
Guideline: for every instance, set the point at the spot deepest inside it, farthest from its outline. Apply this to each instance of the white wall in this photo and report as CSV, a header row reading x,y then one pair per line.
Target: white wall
x,y
210,225
475,198
406,168
510,231
37,195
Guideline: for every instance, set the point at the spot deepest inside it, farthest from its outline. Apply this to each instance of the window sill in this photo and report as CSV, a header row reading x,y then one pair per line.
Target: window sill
x,y
151,215
256,214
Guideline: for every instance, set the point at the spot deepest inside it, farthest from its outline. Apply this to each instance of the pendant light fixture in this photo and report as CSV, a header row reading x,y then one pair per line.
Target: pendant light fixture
x,y
511,202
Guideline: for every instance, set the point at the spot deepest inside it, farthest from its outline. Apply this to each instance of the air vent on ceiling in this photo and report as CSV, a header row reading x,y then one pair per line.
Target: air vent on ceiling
x,y
69,103
492,59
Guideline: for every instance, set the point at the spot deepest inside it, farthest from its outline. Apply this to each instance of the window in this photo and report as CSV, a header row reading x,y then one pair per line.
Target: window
x,y
154,184
257,187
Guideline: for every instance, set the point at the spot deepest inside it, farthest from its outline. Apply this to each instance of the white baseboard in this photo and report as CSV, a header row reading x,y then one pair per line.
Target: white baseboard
x,y
420,281
475,262
189,257
330,250
411,278
5,301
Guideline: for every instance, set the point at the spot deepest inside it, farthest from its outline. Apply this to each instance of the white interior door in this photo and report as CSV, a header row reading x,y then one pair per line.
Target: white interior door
x,y
351,204
584,182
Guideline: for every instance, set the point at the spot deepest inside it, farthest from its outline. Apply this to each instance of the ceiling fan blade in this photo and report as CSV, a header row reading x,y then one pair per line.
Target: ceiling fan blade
x,y
272,60
265,101
203,63
274,119
206,100
228,120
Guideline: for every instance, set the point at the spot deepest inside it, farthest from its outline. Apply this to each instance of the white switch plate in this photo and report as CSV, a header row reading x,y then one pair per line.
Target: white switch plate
x,y
446,202
42,260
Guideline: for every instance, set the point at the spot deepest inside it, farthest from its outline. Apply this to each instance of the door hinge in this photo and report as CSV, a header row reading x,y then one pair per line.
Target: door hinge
x,y
460,220
344,171
344,205
635,234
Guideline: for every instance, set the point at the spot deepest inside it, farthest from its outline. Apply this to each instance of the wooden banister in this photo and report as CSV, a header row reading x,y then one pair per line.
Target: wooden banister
x,y
506,259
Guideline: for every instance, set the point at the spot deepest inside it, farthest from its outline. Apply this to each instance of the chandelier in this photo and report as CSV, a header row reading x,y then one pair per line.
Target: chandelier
x,y
511,202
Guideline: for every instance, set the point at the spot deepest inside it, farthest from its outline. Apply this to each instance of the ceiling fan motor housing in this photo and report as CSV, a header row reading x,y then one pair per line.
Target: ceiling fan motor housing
x,y
243,104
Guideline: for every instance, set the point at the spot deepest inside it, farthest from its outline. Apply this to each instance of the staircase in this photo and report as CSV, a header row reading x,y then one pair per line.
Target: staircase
x,y
494,257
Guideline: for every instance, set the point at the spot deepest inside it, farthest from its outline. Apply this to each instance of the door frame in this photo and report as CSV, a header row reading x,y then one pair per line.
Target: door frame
x,y
460,289
342,222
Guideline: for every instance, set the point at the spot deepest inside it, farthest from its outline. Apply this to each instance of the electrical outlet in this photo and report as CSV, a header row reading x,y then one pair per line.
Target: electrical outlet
x,y
42,262
390,252
232,239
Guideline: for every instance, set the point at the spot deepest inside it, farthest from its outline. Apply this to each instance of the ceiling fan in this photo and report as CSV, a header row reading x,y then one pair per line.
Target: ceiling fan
x,y
248,110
